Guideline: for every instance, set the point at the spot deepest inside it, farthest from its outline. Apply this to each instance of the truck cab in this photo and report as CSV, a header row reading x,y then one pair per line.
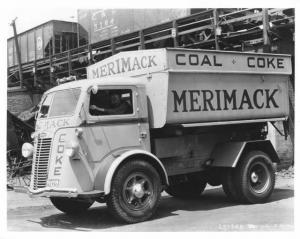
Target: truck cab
x,y
154,120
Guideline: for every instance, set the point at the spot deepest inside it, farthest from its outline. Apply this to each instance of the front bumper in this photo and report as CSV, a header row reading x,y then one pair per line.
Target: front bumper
x,y
59,192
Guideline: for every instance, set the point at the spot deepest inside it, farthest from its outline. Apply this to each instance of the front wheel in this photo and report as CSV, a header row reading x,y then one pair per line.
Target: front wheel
x,y
255,177
70,205
135,192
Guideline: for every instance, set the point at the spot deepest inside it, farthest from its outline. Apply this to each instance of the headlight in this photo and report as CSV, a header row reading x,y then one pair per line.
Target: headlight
x,y
72,148
32,135
27,150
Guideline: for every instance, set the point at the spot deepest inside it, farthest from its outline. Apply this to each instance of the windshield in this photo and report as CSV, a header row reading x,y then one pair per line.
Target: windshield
x,y
60,103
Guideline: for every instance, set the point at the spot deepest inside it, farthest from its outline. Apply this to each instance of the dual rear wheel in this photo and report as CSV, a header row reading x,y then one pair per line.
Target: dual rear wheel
x,y
252,181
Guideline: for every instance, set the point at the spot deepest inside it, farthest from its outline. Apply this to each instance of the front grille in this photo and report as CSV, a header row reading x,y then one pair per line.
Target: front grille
x,y
41,162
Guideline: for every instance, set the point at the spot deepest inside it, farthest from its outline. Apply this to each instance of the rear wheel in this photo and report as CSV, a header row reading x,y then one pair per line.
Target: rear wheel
x,y
255,177
135,192
229,186
70,205
193,187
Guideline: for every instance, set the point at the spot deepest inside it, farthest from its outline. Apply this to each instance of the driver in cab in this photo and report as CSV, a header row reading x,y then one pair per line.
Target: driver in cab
x,y
118,106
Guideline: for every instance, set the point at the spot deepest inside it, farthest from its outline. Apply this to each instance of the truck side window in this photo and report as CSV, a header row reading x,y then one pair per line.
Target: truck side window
x,y
111,102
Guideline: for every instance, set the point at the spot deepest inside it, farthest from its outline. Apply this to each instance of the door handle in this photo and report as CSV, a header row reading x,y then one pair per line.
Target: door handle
x,y
143,135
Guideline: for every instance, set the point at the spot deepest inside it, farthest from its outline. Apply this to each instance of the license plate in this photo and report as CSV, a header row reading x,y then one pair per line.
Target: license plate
x,y
52,183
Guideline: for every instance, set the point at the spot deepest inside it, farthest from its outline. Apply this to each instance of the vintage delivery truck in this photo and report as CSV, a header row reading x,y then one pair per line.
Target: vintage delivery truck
x,y
164,119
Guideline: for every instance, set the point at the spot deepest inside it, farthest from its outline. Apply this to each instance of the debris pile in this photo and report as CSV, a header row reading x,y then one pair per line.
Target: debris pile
x,y
286,173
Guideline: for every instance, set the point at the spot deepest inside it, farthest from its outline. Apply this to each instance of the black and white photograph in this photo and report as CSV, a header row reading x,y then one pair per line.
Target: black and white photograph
x,y
149,119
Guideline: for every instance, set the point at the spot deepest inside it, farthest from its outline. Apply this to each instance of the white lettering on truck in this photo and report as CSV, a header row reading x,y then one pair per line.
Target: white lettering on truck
x,y
51,124
59,155
122,65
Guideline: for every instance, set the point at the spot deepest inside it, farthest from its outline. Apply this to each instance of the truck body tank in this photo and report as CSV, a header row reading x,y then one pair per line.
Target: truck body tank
x,y
208,87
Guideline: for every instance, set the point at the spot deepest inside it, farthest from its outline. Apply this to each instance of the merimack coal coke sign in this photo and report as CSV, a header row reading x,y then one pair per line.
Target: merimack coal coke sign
x,y
145,61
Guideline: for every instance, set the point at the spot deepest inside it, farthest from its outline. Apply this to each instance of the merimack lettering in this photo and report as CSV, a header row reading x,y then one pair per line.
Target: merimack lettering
x,y
122,65
52,124
217,100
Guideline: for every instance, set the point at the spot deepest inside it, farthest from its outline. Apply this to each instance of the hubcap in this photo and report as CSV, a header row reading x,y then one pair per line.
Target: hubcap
x,y
137,191
254,177
260,177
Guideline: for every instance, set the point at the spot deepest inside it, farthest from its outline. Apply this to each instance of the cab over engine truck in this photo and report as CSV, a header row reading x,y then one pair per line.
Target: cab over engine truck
x,y
164,119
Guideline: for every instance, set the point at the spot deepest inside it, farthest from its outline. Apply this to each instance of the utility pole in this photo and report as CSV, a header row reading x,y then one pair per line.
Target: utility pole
x,y
266,28
13,24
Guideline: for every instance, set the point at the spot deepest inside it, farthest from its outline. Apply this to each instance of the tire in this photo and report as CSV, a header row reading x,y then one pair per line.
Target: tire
x,y
214,176
193,188
215,181
229,186
71,206
135,192
255,177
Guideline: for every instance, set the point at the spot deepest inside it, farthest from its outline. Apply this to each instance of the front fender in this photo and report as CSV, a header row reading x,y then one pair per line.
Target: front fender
x,y
112,168
69,172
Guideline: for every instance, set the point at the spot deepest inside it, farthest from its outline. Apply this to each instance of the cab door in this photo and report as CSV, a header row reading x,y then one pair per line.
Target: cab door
x,y
113,134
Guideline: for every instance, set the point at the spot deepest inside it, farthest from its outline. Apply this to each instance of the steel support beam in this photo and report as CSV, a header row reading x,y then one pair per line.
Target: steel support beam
x,y
35,74
216,25
113,46
90,54
175,33
142,40
69,63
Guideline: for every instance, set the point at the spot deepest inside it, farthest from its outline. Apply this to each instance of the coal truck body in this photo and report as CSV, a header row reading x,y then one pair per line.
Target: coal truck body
x,y
165,119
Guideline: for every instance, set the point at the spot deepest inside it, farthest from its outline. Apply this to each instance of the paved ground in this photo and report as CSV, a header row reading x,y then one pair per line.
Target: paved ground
x,y
213,212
